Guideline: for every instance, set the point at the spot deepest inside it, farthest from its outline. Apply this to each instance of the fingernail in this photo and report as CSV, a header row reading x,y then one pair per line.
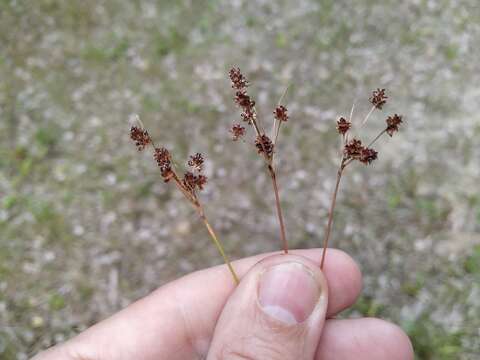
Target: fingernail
x,y
288,292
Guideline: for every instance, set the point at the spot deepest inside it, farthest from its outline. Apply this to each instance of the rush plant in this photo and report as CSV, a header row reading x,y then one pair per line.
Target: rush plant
x,y
193,180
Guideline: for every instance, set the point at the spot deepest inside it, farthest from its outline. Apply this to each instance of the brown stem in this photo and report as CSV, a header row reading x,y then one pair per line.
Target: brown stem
x,y
218,244
377,137
279,209
328,228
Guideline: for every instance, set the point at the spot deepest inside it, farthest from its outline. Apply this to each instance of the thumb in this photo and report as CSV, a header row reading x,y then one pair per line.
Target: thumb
x,y
277,312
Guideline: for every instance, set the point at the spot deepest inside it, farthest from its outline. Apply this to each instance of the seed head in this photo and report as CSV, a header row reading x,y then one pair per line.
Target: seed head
x,y
264,145
280,113
367,155
140,137
201,181
191,181
237,131
392,124
164,162
239,81
378,98
243,100
353,149
196,162
343,125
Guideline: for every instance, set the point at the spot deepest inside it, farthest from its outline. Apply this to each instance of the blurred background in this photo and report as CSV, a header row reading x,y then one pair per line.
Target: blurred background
x,y
87,225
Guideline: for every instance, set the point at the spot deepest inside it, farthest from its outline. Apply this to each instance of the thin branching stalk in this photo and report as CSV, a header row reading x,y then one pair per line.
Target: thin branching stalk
x,y
328,228
278,206
377,137
218,244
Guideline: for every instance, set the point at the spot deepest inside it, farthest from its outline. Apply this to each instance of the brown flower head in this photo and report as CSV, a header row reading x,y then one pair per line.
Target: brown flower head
x,y
140,137
239,81
392,124
247,104
264,145
378,98
237,131
201,181
343,125
243,100
196,162
163,159
280,113
353,149
191,181
367,155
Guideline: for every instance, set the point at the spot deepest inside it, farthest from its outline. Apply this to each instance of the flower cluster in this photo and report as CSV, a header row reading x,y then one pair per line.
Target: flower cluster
x,y
196,162
343,125
239,81
238,131
192,181
354,149
280,113
164,162
242,99
140,137
378,98
264,145
392,124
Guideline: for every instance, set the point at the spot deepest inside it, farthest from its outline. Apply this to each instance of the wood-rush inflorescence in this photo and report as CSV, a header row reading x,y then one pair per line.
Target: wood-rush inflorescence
x,y
193,179
264,144
189,184
354,150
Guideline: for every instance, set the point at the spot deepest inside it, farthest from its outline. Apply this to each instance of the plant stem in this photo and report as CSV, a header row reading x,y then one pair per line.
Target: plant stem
x,y
368,115
218,245
377,137
328,228
279,209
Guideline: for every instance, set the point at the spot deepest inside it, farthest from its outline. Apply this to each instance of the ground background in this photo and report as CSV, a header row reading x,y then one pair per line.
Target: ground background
x,y
87,226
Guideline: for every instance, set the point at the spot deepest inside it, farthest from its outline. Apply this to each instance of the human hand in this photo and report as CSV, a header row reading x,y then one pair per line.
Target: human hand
x,y
282,309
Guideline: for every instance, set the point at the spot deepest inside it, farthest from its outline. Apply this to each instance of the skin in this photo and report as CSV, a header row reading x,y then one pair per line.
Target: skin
x,y
198,315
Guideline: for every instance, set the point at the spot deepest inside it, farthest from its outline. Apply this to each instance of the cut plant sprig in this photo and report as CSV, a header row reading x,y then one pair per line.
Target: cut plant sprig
x,y
264,144
354,150
189,184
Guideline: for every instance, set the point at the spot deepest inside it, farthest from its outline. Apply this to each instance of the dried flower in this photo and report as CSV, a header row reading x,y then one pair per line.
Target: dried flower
x,y
191,181
343,125
353,149
392,124
378,98
186,186
264,145
140,137
196,162
200,181
367,155
237,131
280,113
162,156
239,81
163,159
